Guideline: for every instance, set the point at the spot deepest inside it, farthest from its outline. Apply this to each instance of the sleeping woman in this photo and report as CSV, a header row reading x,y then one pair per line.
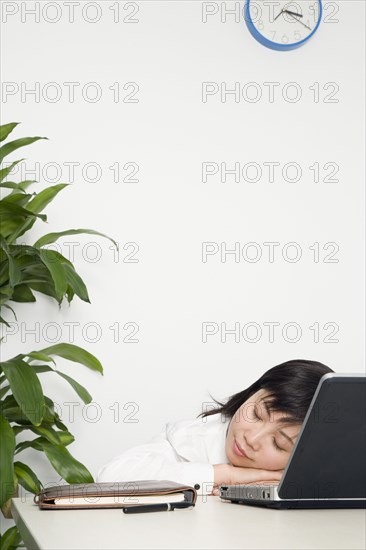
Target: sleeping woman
x,y
246,439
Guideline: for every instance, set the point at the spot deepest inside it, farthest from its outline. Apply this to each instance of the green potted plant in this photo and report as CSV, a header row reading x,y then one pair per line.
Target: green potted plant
x,y
24,270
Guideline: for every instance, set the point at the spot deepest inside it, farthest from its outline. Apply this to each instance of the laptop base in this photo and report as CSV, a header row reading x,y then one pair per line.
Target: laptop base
x,y
301,504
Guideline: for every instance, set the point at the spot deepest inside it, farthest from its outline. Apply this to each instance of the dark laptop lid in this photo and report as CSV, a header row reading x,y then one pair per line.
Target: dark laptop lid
x,y
329,457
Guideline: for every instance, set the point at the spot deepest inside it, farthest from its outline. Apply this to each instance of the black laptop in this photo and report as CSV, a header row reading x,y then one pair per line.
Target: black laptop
x,y
327,465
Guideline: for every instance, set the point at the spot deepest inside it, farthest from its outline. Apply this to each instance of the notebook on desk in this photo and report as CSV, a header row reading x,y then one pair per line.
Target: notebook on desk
x,y
326,468
142,494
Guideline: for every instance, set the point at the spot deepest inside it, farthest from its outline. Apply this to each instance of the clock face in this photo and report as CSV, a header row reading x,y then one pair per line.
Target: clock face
x,y
282,24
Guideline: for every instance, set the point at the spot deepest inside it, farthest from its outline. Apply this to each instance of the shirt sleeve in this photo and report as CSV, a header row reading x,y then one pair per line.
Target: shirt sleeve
x,y
158,460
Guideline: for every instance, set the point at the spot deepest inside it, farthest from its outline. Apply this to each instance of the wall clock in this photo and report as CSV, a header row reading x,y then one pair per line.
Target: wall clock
x,y
280,24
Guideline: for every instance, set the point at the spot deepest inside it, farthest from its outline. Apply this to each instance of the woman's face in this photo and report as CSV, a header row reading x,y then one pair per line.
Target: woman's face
x,y
267,444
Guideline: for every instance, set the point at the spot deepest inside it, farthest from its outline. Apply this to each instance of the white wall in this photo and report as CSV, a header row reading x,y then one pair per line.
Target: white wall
x,y
170,292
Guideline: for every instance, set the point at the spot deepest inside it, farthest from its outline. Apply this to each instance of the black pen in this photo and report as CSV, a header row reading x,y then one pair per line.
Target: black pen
x,y
165,507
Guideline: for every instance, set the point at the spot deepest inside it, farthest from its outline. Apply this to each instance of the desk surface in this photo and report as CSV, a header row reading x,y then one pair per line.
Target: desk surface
x,y
211,524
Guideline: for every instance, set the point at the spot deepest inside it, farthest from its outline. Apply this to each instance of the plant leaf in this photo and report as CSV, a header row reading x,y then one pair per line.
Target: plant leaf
x,y
25,253
22,293
4,248
76,283
47,432
56,437
38,356
39,369
51,260
10,409
52,237
62,461
36,205
76,354
8,210
5,150
80,390
11,309
50,415
21,199
55,255
60,425
13,269
26,388
5,294
45,288
27,478
65,464
6,129
2,320
21,186
7,447
33,444
70,294
11,539
42,199
15,274
13,217
5,171
66,437
12,185
4,391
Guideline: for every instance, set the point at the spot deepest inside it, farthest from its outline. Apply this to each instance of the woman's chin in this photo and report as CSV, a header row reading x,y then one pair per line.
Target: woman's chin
x,y
235,461
230,457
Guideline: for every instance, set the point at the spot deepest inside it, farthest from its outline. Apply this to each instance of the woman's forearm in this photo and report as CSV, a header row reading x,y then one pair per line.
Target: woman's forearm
x,y
221,474
226,474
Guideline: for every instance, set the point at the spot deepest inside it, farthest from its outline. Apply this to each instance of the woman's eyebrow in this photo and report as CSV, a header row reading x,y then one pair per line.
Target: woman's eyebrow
x,y
288,437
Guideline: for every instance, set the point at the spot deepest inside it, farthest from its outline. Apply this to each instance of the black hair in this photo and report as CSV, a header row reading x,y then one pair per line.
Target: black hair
x,y
290,386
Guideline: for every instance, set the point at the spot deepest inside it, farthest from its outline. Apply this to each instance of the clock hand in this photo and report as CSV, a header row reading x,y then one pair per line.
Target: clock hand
x,y
278,15
293,13
300,22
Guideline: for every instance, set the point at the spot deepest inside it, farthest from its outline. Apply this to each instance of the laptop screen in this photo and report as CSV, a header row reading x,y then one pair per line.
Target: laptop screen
x,y
328,460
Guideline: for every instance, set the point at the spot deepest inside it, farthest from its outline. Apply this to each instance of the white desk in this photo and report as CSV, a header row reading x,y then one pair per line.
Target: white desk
x,y
211,524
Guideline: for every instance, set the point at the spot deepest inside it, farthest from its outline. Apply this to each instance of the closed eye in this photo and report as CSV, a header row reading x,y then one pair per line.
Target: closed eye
x,y
277,446
256,414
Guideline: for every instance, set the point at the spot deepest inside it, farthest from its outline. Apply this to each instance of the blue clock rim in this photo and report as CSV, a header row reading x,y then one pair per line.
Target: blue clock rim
x,y
275,45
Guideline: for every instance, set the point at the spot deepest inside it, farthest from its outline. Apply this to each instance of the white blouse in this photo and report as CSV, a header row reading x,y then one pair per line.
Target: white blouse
x,y
184,451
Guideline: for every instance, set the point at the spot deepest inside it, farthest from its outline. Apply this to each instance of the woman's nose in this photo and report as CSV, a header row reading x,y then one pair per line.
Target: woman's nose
x,y
254,437
252,440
